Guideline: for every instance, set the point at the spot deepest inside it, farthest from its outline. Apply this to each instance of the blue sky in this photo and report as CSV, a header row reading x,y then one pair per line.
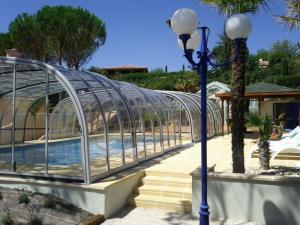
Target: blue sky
x,y
138,35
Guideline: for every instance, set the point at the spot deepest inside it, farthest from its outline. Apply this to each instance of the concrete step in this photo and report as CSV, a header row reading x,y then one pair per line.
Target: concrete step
x,y
167,203
165,191
167,181
158,173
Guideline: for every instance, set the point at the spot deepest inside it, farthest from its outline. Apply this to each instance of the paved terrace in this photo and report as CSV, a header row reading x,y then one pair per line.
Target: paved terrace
x,y
166,180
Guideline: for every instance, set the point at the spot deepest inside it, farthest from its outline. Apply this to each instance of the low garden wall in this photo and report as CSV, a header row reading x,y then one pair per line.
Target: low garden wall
x,y
273,200
98,198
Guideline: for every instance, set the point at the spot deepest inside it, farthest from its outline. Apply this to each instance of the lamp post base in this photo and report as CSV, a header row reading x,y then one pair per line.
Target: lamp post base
x,y
204,214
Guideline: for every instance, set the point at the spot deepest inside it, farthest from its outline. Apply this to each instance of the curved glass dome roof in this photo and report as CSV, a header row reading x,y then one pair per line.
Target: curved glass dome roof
x,y
64,123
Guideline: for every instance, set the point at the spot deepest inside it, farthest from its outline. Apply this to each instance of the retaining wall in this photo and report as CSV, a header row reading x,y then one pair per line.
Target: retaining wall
x,y
272,200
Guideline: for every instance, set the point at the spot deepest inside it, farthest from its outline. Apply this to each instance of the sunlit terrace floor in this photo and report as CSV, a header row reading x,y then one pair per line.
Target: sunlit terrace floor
x,y
177,163
187,159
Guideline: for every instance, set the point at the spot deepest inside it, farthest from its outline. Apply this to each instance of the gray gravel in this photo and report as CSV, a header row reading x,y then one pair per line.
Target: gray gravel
x,y
141,216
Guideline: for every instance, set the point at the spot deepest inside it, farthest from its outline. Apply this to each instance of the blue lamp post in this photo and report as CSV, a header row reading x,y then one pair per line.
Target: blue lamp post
x,y
185,24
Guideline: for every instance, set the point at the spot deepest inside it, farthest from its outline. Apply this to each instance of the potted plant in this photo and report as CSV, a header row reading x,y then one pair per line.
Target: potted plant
x,y
264,125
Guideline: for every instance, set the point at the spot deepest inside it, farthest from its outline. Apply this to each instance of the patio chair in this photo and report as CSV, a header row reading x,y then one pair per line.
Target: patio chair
x,y
280,146
286,152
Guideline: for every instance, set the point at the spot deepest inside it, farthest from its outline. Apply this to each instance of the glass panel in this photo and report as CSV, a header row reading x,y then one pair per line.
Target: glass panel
x,y
6,112
138,124
127,131
30,133
145,142
157,117
64,147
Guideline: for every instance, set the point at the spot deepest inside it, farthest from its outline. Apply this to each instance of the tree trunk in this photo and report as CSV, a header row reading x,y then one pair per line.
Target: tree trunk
x,y
238,102
264,155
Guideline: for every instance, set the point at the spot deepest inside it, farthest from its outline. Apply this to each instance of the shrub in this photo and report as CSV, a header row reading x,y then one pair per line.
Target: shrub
x,y
35,216
23,198
50,202
6,218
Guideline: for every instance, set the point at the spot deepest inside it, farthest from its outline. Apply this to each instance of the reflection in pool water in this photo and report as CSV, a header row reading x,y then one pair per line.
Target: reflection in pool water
x,y
64,152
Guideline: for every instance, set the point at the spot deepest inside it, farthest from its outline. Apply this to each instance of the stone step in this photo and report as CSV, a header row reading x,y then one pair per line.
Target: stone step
x,y
165,191
167,203
158,173
167,181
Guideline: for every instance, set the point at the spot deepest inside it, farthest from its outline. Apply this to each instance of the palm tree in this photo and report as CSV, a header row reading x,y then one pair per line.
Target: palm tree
x,y
229,7
264,125
292,18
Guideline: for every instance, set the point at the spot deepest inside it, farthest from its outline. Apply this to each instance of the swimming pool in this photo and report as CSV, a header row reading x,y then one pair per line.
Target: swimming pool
x,y
65,152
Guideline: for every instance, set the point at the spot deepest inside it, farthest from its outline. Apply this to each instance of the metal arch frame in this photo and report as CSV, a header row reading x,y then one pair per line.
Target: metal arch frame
x,y
148,112
118,113
105,121
166,117
141,119
185,106
143,99
101,79
216,118
26,116
59,104
170,112
217,108
175,106
144,93
162,117
194,114
189,95
149,97
152,122
73,95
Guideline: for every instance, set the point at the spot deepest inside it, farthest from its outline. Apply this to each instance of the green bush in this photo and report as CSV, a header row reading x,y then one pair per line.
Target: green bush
x,y
6,218
50,202
35,216
23,198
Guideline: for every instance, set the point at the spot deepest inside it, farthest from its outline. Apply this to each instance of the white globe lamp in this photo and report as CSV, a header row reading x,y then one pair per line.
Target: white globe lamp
x,y
192,43
238,26
184,21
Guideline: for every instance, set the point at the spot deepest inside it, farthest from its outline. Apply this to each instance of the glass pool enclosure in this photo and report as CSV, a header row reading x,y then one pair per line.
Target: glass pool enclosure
x,y
62,123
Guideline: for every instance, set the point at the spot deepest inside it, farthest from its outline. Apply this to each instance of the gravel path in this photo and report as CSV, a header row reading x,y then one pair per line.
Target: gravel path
x,y
141,216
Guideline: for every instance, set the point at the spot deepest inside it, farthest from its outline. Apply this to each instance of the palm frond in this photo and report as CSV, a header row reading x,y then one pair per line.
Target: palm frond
x,y
265,129
253,120
263,123
292,18
229,7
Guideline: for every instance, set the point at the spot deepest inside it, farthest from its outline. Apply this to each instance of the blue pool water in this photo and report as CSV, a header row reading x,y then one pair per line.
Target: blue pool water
x,y
62,152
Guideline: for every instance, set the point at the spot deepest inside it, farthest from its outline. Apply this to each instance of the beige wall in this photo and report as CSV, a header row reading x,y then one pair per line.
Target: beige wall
x,y
266,107
264,199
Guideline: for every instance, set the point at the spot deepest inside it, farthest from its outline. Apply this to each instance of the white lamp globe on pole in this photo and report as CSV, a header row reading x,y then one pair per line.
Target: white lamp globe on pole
x,y
238,26
193,43
184,21
185,24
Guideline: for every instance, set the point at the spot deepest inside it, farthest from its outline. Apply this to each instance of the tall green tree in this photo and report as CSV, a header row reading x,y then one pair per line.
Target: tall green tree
x,y
291,19
5,43
229,7
26,34
74,34
52,23
69,34
85,34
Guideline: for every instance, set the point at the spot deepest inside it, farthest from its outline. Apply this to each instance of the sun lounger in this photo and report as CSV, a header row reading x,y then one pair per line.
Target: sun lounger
x,y
292,133
291,152
281,146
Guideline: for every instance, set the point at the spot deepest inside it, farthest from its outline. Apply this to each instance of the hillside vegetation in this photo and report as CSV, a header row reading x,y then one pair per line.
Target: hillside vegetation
x,y
283,69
